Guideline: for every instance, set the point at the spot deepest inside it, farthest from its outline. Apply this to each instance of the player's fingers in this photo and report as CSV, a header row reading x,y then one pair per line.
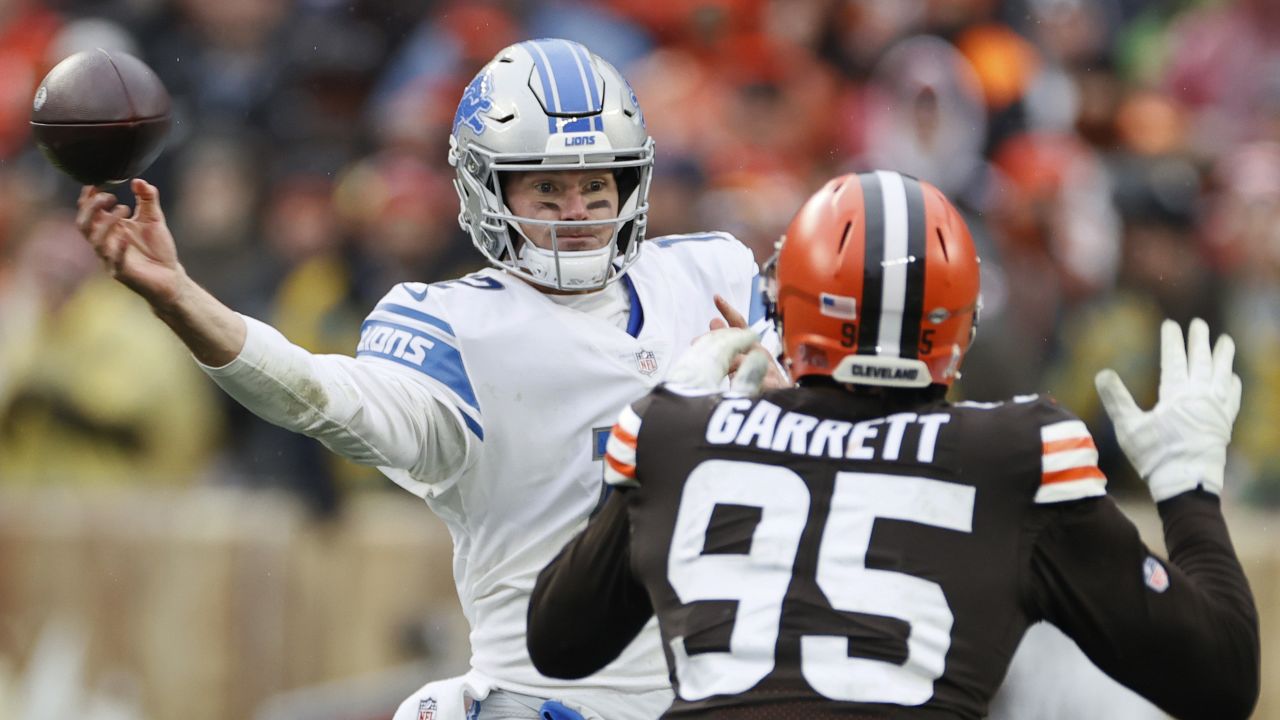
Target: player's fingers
x,y
148,201
114,247
717,324
751,372
731,316
1224,354
1199,359
1173,355
1115,397
707,361
88,207
103,225
1233,397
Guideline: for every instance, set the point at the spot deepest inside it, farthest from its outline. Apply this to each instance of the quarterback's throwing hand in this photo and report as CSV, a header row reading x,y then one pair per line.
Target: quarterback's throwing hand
x,y
1181,443
137,249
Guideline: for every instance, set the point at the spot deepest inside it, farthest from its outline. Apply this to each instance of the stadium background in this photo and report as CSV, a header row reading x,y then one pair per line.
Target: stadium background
x,y
163,554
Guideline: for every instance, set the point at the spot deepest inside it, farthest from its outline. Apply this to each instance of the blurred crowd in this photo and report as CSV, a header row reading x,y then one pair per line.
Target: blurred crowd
x,y
1118,162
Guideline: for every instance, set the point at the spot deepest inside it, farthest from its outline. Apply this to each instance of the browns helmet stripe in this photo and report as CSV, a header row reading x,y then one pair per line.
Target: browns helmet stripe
x,y
913,306
894,269
873,264
893,273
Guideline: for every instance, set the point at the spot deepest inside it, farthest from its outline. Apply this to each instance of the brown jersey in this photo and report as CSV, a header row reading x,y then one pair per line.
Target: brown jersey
x,y
817,553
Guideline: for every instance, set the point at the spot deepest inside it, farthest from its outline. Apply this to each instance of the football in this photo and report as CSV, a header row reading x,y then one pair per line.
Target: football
x,y
101,117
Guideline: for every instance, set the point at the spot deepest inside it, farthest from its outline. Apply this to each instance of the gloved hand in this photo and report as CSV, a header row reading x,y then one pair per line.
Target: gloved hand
x,y
706,363
752,373
1181,443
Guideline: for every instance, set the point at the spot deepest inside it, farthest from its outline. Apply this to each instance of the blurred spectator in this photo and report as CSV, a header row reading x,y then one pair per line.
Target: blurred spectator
x,y
925,116
27,29
1224,63
1163,274
1114,159
76,405
1244,236
1056,244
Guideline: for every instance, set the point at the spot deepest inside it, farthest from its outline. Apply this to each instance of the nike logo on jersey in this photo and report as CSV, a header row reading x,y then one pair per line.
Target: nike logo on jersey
x,y
767,427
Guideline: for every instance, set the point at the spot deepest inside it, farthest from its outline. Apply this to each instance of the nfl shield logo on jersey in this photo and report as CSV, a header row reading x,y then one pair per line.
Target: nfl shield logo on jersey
x,y
647,362
1154,574
427,709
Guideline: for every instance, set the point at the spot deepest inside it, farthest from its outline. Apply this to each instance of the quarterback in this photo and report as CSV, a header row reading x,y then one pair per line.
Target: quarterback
x,y
860,547
490,396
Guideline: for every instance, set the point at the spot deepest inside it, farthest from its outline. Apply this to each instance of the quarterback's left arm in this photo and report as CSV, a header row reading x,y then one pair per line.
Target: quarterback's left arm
x,y
1183,633
586,606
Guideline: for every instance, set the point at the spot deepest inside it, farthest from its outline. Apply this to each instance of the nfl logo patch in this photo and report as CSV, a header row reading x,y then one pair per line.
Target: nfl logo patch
x,y
647,362
1154,575
427,709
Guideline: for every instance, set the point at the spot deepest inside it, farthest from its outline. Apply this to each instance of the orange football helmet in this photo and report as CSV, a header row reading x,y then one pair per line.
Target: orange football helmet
x,y
876,283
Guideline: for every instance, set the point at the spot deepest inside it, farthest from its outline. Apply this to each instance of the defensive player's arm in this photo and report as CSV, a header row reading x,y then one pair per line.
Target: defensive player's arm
x,y
1182,633
587,606
371,414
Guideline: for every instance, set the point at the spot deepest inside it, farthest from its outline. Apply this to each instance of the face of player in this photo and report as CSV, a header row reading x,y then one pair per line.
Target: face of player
x,y
565,195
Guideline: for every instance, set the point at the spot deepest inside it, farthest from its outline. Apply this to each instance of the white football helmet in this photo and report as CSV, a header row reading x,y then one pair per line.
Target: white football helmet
x,y
550,105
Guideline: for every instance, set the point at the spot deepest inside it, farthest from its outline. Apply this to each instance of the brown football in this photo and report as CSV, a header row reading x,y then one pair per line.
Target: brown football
x,y
101,117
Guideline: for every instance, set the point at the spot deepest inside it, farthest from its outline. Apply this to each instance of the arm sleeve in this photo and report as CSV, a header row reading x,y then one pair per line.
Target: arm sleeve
x,y
1183,634
367,411
587,606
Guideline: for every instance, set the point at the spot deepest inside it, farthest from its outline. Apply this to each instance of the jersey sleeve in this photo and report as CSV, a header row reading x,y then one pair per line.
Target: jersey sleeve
x,y
1183,633
586,605
1068,456
620,450
374,409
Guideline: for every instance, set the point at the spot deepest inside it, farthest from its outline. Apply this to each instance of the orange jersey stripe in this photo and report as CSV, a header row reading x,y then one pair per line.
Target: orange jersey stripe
x,y
623,436
1076,473
628,471
1076,443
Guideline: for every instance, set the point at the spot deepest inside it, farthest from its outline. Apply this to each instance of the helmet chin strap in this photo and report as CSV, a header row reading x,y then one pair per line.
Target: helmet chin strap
x,y
578,269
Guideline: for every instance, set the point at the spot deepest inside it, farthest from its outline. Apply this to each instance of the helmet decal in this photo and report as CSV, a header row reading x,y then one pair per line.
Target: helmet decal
x,y
565,84
475,100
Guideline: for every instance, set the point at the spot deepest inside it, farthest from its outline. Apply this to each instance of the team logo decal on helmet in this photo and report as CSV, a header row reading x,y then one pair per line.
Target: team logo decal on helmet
x,y
550,105
876,283
475,100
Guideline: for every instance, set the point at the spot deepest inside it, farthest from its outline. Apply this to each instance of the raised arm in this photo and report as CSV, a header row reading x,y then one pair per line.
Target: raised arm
x,y
138,250
365,411
1183,633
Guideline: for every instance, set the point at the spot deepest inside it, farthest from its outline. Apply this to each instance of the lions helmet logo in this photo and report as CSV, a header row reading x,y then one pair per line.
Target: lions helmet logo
x,y
475,100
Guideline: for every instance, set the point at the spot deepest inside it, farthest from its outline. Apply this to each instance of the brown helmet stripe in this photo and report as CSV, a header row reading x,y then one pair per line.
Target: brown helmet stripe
x,y
913,303
873,264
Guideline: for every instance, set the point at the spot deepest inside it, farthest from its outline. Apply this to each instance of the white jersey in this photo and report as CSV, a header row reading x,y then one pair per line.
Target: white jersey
x,y
535,386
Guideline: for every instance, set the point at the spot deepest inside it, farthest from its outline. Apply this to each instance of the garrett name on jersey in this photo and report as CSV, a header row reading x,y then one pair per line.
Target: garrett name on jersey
x,y
767,427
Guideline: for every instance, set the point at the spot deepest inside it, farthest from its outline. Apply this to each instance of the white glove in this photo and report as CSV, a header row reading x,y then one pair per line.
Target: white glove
x,y
706,363
1181,443
749,380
